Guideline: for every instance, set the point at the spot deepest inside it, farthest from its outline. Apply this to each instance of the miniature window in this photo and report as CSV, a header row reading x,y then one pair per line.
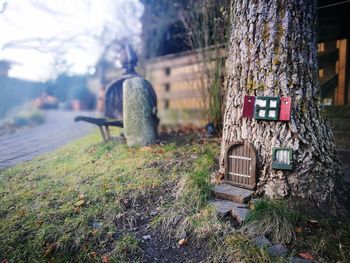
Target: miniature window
x,y
282,158
267,108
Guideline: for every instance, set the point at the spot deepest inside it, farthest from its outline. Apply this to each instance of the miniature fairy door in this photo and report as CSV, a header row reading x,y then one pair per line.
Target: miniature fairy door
x,y
240,165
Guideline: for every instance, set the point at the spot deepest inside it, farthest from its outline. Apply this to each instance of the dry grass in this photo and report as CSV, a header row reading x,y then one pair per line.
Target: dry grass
x,y
272,218
238,248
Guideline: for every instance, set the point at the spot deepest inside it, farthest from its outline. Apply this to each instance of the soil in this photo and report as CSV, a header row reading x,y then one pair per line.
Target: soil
x,y
155,244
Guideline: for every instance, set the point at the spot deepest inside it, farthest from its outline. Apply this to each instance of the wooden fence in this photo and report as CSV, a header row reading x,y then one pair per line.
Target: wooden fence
x,y
178,78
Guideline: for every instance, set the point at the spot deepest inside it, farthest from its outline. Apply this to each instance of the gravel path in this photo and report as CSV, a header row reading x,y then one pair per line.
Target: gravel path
x,y
25,144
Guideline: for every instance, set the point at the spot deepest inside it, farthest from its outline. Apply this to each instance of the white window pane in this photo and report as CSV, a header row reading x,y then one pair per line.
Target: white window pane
x,y
261,103
262,113
272,113
273,103
282,156
286,157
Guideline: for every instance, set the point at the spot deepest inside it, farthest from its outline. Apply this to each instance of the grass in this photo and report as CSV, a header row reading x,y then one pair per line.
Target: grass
x,y
238,248
326,239
126,247
329,239
71,205
272,218
189,212
80,204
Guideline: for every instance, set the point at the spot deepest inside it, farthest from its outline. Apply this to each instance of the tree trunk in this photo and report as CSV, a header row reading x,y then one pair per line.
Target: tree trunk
x,y
273,52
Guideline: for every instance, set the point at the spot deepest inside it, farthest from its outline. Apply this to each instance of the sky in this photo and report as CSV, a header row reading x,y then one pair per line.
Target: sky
x,y
74,26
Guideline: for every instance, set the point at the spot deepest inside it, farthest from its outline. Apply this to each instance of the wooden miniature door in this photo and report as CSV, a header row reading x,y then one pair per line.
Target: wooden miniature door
x,y
240,165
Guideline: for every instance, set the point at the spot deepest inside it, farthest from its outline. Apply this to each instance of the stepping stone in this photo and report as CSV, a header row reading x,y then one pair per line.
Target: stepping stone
x,y
232,193
278,250
262,241
236,210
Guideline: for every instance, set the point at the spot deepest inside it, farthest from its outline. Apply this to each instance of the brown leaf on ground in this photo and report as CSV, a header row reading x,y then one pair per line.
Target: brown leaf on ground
x,y
92,254
105,259
146,149
306,255
160,151
299,229
183,242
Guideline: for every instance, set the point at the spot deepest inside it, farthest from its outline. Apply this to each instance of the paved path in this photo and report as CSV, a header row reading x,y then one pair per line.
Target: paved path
x,y
25,144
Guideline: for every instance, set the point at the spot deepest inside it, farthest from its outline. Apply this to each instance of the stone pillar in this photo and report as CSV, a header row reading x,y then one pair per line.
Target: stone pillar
x,y
139,112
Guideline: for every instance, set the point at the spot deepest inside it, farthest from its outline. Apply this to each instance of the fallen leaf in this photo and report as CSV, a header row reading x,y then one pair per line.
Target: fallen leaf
x,y
160,151
306,255
80,203
299,229
105,259
146,148
93,254
183,242
81,196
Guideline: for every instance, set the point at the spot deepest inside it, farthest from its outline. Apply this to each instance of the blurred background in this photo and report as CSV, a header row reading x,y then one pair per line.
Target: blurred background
x,y
61,55
55,54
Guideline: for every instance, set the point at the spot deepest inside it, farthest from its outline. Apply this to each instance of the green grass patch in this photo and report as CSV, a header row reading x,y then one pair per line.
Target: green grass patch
x,y
126,250
67,206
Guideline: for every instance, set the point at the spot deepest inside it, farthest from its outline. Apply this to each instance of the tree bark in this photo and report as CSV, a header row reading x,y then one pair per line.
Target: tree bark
x,y
273,52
